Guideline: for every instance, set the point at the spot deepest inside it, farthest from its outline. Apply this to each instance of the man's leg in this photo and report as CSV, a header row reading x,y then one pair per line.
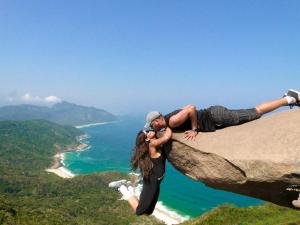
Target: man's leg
x,y
291,98
224,117
271,106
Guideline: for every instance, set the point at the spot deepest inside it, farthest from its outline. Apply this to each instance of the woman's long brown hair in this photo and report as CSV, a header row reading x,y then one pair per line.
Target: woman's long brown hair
x,y
141,156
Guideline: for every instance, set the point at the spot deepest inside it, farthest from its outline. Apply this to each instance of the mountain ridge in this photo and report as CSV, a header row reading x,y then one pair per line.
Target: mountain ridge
x,y
64,113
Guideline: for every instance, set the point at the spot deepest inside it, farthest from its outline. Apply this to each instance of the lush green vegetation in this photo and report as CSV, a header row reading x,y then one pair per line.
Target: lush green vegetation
x,y
267,214
29,146
30,195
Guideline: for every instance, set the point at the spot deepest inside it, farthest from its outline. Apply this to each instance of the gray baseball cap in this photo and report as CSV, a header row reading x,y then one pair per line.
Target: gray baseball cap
x,y
150,117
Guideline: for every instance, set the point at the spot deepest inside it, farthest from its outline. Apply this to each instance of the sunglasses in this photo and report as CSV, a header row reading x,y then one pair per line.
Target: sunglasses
x,y
148,130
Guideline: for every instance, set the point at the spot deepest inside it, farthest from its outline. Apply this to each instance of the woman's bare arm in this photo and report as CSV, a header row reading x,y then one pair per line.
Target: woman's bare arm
x,y
164,138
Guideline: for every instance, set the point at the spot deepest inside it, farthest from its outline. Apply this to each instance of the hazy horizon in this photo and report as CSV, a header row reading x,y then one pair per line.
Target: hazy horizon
x,y
135,56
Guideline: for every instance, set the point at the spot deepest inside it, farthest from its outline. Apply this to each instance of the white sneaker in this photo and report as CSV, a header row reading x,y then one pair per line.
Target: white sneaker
x,y
117,184
296,203
295,94
125,192
131,189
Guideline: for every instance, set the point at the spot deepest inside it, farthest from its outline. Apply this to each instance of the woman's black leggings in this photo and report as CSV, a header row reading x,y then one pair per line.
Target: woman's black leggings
x,y
149,196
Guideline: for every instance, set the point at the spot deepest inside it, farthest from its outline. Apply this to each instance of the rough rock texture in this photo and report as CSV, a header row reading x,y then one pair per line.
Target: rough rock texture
x,y
260,158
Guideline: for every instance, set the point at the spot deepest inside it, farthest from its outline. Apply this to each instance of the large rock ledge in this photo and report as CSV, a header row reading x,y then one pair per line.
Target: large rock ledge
x,y
259,159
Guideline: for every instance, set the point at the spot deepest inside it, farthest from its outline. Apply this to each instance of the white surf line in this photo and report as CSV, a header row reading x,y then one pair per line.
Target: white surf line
x,y
61,171
167,215
93,124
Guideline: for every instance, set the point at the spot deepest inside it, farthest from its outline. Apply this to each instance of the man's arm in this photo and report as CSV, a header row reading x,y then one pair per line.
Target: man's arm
x,y
188,112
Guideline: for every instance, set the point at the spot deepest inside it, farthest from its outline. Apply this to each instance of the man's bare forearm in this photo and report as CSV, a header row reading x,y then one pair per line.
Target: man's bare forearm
x,y
193,117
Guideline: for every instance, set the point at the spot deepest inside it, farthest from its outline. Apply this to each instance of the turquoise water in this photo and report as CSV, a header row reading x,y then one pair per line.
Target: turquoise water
x,y
111,146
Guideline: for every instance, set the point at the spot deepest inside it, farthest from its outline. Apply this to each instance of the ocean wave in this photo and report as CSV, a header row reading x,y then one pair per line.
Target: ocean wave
x,y
93,124
84,149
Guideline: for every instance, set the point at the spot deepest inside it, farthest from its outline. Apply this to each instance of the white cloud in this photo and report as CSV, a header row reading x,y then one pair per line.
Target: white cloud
x,y
16,98
49,99
52,99
28,97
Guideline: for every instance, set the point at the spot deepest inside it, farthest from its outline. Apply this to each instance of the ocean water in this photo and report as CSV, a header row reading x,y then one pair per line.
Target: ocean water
x,y
111,147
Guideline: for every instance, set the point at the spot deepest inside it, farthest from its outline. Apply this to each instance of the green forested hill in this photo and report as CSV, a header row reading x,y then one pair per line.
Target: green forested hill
x,y
29,195
29,146
266,214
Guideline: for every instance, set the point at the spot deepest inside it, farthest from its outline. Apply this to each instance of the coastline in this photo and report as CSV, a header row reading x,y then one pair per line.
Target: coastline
x,y
58,166
93,124
167,215
161,212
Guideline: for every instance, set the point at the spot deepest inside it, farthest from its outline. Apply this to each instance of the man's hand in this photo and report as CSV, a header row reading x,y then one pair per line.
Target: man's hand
x,y
190,134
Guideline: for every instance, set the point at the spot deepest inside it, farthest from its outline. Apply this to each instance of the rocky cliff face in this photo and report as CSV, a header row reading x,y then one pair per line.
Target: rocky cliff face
x,y
259,159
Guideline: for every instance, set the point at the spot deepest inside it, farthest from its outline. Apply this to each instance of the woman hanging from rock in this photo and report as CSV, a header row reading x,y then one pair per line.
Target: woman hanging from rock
x,y
149,157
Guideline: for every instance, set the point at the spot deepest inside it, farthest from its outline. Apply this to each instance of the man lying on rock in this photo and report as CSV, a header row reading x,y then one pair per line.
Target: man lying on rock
x,y
150,159
191,121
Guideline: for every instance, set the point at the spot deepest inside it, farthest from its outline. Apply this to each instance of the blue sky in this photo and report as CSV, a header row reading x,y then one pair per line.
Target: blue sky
x,y
134,56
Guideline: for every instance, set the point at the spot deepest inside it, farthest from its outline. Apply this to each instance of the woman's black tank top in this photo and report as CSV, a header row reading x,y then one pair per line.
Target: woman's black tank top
x,y
159,165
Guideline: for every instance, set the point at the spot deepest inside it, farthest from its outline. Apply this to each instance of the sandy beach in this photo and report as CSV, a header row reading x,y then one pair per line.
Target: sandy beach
x,y
168,216
62,172
58,165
